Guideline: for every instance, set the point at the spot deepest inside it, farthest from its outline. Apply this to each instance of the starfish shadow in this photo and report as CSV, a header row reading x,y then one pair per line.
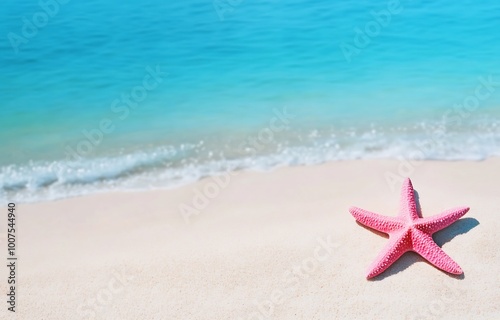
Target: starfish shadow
x,y
417,202
441,237
459,227
385,235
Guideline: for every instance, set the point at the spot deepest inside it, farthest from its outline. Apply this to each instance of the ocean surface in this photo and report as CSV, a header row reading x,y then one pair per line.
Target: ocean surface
x,y
109,95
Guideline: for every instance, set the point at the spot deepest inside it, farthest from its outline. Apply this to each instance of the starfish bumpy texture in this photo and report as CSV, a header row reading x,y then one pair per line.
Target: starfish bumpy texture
x,y
409,232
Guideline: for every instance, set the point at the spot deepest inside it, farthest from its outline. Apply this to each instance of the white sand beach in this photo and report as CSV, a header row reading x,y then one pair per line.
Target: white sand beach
x,y
262,245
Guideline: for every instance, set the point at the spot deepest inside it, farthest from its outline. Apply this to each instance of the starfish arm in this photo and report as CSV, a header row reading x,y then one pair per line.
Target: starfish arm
x,y
396,247
424,245
408,207
375,221
438,222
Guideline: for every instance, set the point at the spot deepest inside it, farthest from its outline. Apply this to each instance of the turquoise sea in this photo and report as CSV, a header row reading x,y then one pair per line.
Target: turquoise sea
x,y
109,95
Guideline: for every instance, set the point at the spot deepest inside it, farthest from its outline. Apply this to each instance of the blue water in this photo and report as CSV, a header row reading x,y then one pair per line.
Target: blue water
x,y
218,72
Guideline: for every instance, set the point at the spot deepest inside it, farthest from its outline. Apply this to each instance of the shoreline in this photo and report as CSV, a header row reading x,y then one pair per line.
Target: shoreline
x,y
402,169
251,251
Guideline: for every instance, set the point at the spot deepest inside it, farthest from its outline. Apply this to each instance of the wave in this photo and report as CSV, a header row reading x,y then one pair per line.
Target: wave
x,y
171,166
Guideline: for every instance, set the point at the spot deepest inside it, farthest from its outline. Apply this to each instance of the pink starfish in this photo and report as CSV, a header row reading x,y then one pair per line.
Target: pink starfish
x,y
409,232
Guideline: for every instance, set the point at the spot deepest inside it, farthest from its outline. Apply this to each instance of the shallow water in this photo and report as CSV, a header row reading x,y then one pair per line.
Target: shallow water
x,y
113,95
